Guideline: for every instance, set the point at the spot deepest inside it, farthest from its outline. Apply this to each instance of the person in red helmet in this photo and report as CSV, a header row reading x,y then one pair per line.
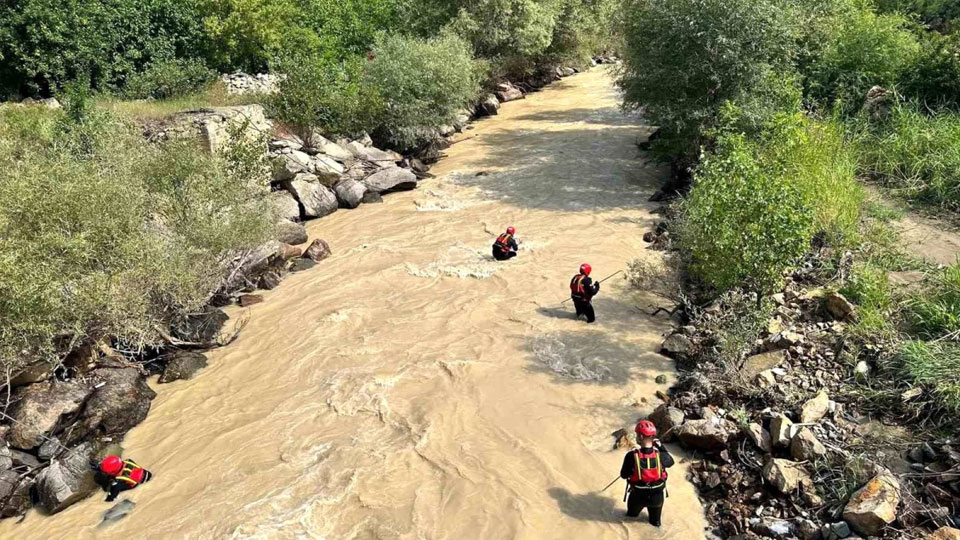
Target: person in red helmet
x,y
645,469
125,475
505,247
582,291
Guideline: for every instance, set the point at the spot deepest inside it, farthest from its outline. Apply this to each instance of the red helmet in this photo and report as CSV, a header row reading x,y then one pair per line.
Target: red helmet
x,y
645,428
511,230
585,269
111,465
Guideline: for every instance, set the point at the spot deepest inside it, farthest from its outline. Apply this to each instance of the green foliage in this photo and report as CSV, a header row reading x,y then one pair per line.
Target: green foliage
x,y
350,27
934,77
422,84
936,365
44,43
928,10
684,59
866,50
915,154
507,27
869,288
138,234
324,95
742,226
934,311
165,79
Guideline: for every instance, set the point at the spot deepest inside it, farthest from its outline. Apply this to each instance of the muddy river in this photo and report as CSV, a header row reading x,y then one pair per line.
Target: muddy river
x,y
410,387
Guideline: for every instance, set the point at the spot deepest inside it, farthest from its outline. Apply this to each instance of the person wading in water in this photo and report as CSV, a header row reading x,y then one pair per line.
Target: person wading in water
x,y
124,474
645,470
582,291
506,246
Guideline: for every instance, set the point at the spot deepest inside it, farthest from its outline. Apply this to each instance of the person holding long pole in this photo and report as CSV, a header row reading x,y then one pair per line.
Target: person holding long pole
x,y
582,291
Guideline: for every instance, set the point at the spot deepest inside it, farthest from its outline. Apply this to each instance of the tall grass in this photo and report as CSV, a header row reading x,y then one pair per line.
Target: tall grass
x,y
934,312
936,364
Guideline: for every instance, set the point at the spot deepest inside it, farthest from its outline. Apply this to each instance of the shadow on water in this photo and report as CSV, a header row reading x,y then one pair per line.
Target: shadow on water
x,y
588,506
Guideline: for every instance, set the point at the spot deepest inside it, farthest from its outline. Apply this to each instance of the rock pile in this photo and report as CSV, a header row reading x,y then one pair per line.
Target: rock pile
x,y
243,83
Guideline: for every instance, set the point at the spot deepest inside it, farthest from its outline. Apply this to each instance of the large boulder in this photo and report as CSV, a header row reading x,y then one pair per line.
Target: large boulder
x,y
874,506
944,533
667,418
291,233
214,125
200,327
67,480
120,402
36,410
331,149
507,92
183,365
784,475
371,154
393,179
290,164
805,446
677,345
328,170
815,409
284,204
708,435
489,106
317,199
19,499
349,192
318,250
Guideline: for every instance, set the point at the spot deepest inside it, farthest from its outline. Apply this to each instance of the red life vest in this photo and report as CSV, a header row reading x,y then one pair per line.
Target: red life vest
x,y
577,290
648,472
132,474
503,241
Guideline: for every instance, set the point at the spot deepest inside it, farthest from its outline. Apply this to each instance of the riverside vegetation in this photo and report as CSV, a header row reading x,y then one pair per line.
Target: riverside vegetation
x,y
792,286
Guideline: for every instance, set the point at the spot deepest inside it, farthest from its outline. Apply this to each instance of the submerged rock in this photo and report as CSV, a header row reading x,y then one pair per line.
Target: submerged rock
x,y
393,179
318,250
183,365
117,512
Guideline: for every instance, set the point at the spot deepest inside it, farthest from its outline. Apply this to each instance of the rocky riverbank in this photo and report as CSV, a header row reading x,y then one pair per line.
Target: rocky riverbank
x,y
787,442
59,419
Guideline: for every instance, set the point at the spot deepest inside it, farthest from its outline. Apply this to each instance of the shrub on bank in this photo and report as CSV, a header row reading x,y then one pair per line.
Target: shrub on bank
x,y
171,78
422,84
105,236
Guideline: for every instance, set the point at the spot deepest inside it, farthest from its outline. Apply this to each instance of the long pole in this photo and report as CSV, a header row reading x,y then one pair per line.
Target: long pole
x,y
610,484
601,281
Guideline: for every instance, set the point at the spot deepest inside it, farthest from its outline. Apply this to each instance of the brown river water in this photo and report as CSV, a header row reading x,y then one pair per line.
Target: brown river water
x,y
409,387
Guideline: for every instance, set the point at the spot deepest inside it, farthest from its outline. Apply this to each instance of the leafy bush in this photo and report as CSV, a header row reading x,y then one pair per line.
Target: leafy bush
x,y
937,365
934,77
916,154
44,43
742,226
867,50
683,59
507,27
422,83
104,236
323,94
170,78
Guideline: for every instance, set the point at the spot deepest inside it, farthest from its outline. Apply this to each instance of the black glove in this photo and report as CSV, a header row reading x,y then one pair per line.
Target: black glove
x,y
596,286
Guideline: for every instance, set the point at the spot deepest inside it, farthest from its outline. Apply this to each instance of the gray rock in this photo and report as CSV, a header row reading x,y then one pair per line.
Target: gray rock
x,y
489,106
183,365
316,199
269,280
369,153
8,483
117,512
332,149
874,506
318,250
299,265
201,327
784,475
33,373
393,179
349,192
839,307
805,447
291,233
371,197
709,435
677,345
67,480
19,500
6,459
284,204
328,170
661,379
289,165
807,530
23,460
666,418
120,401
835,531
772,527
507,92
37,409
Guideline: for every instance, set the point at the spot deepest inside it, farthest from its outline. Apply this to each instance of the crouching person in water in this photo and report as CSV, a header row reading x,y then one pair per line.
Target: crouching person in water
x,y
505,247
645,471
125,474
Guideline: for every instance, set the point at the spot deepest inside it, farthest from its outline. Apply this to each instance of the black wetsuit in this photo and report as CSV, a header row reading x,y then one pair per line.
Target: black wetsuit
x,y
125,481
582,301
643,495
505,247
